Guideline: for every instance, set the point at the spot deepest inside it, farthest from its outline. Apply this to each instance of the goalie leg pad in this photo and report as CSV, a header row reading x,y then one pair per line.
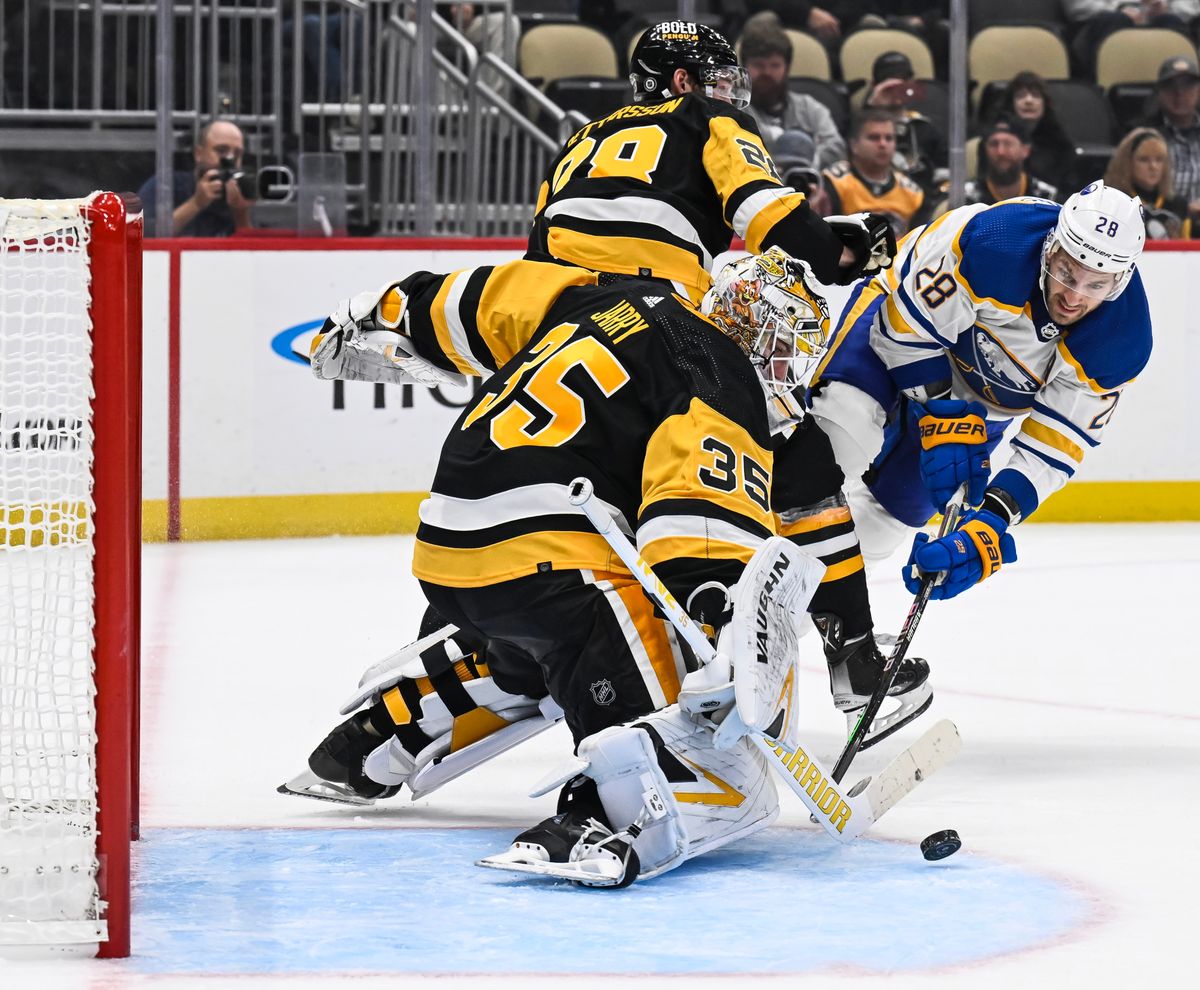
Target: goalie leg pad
x,y
460,749
656,793
661,780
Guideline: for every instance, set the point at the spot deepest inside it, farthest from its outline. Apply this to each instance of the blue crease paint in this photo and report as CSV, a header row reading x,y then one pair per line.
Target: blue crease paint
x,y
280,901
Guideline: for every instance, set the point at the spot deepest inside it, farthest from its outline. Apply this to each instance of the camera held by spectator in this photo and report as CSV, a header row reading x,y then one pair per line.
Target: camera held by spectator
x,y
230,170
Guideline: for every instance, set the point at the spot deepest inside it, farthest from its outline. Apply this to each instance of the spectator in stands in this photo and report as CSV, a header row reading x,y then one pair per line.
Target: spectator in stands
x,y
920,145
1052,154
798,14
928,19
1095,20
1177,119
497,33
207,201
869,181
1004,150
1141,166
794,155
767,55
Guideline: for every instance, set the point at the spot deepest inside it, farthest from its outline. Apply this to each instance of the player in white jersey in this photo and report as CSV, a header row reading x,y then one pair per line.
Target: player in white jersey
x,y
1022,310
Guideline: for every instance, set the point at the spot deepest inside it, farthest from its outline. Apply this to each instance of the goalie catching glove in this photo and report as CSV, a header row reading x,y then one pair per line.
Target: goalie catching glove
x,y
973,552
954,448
362,340
869,237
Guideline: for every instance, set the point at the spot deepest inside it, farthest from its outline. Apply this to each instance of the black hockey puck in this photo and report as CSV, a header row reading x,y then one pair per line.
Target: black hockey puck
x,y
940,845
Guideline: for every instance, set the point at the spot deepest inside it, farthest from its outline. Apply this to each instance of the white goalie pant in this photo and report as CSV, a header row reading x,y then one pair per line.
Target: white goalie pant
x,y
663,774
854,423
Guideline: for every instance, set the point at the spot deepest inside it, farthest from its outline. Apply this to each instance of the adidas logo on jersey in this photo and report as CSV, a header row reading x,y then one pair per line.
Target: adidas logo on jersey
x,y
652,301
1048,332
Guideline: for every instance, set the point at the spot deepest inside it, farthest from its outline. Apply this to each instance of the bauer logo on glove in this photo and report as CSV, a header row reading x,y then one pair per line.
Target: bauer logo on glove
x,y
954,448
972,553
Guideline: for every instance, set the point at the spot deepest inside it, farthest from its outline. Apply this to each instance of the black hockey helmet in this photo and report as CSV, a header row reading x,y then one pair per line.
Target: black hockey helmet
x,y
699,49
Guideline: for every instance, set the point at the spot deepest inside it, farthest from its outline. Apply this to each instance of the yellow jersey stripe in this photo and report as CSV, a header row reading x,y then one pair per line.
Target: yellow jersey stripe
x,y
671,547
843,568
1052,438
653,634
473,567
628,256
766,218
819,520
895,317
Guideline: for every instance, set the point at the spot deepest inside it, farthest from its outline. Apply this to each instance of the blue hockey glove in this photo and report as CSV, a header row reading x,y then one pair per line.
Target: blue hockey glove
x,y
953,448
967,556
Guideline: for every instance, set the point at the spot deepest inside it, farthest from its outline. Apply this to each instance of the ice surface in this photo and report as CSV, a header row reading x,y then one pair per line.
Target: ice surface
x,y
1071,675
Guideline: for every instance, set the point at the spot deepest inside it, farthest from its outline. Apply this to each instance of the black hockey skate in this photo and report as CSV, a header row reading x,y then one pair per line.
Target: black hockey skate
x,y
335,768
576,844
855,669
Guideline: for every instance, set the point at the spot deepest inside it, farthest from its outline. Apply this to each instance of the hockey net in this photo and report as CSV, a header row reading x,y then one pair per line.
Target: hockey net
x,y
70,341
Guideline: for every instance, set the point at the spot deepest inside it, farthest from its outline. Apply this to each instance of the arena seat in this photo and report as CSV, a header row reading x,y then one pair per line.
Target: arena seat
x,y
1133,55
556,51
860,49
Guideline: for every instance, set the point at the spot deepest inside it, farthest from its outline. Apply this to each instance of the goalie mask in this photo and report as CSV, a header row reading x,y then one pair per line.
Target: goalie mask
x,y
699,49
1100,229
769,305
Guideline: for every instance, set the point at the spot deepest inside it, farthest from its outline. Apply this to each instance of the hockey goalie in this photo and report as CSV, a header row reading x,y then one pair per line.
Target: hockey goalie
x,y
661,405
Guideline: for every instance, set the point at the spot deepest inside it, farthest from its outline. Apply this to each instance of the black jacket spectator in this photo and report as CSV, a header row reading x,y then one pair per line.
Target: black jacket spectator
x,y
1052,153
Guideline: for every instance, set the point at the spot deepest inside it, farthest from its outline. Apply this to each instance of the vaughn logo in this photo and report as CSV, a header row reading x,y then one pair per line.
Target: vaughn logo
x,y
1048,332
603,693
762,612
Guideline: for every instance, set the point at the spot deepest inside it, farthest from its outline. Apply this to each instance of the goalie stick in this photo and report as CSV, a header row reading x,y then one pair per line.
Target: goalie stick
x,y
855,742
844,814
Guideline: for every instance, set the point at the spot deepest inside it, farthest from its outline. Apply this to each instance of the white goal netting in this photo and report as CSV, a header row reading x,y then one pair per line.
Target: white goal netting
x,y
48,863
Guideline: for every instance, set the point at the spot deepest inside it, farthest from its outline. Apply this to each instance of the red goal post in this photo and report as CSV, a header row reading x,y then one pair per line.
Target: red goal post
x,y
70,581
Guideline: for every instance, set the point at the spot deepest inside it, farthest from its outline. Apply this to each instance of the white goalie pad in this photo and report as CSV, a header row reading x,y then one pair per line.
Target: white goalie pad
x,y
770,614
662,774
439,762
406,662
666,791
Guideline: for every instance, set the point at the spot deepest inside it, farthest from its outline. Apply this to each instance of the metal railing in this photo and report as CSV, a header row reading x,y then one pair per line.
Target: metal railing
x,y
466,139
438,136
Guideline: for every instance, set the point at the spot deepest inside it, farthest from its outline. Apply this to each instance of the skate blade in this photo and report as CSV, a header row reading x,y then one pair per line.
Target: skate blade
x,y
516,861
881,728
309,785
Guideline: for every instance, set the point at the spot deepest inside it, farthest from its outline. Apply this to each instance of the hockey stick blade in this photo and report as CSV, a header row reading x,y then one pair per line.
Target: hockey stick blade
x,y
935,749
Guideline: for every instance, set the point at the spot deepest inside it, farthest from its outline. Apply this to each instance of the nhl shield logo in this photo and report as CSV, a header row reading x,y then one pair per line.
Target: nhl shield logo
x,y
1048,332
603,693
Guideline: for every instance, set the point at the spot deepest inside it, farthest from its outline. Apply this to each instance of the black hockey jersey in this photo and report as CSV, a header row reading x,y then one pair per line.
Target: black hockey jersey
x,y
658,189
625,384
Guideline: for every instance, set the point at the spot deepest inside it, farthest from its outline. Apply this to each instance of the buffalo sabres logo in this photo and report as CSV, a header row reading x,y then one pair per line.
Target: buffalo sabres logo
x,y
1048,332
603,693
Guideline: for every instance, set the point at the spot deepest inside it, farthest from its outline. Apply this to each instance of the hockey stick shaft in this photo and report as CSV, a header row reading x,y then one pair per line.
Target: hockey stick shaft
x,y
892,667
581,496
842,815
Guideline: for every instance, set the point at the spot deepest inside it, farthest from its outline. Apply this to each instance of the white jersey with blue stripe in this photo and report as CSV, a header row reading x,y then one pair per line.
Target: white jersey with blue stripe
x,y
964,303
